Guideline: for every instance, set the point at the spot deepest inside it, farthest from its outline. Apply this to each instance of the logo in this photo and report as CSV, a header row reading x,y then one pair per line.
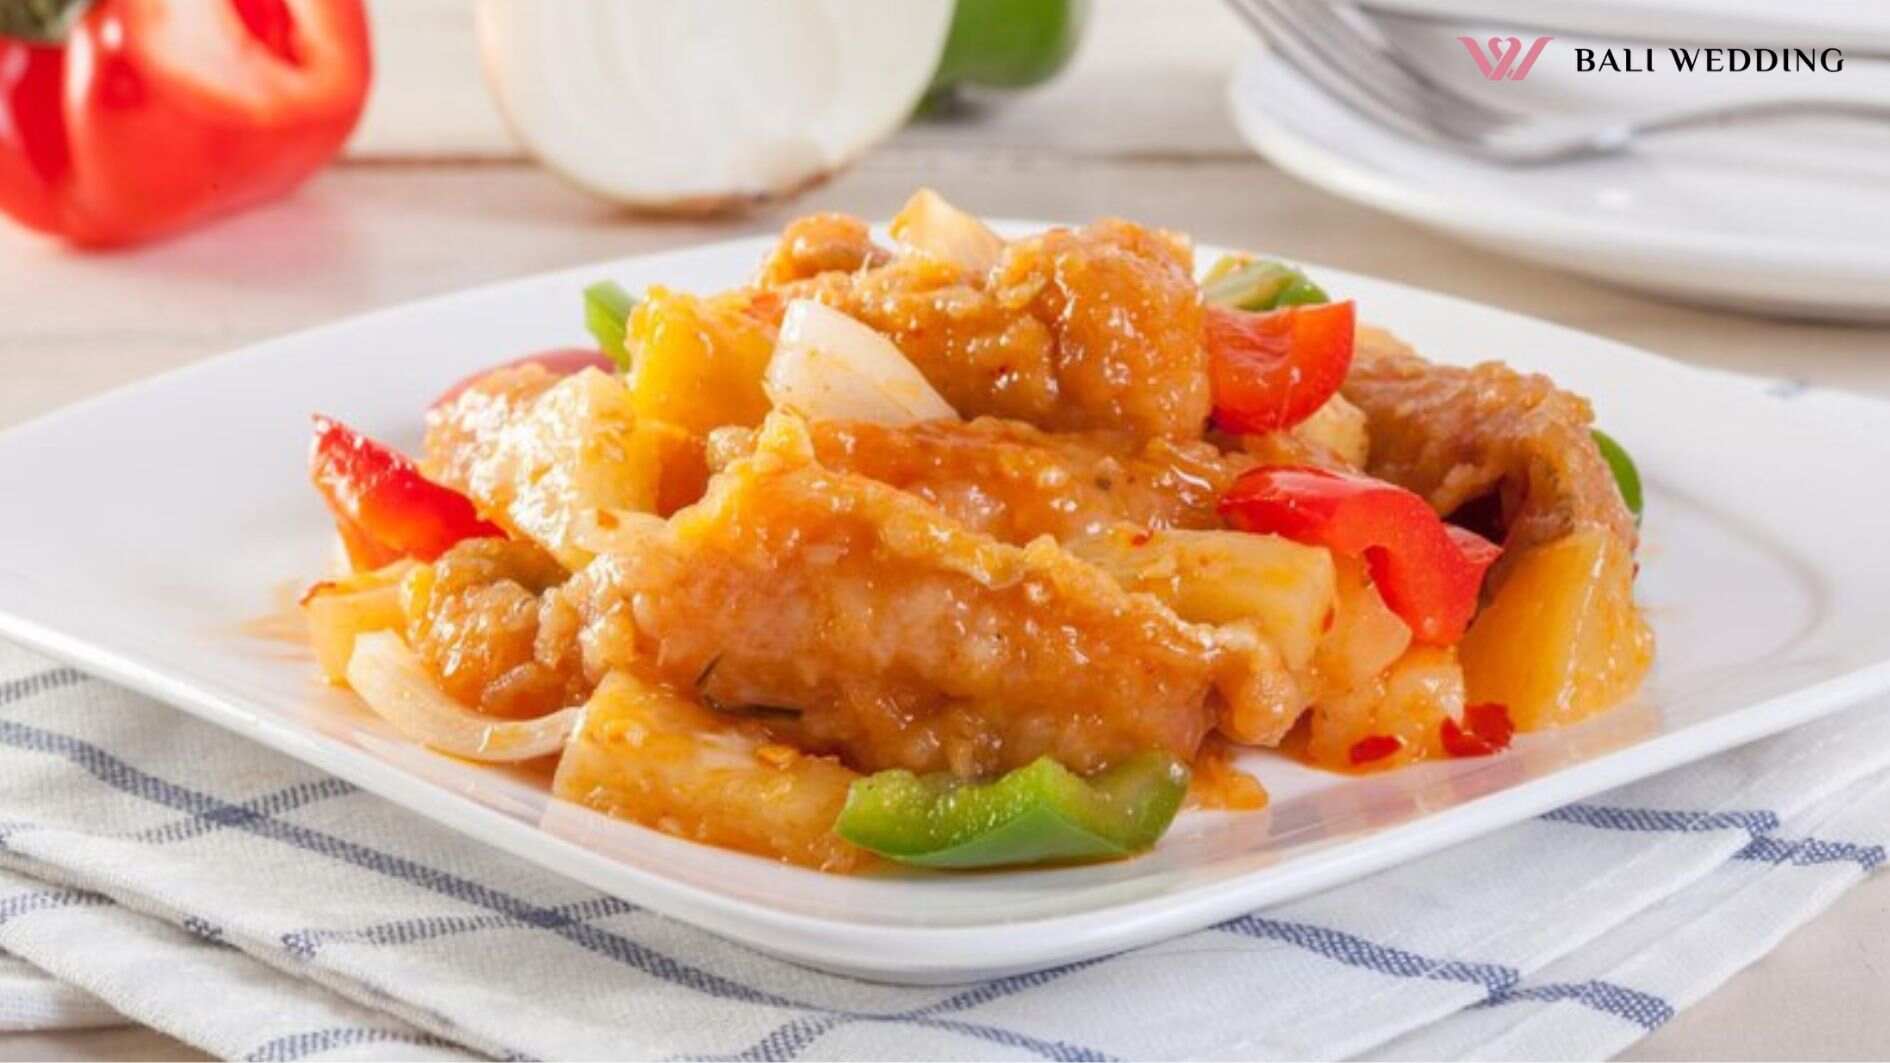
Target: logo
x,y
1506,58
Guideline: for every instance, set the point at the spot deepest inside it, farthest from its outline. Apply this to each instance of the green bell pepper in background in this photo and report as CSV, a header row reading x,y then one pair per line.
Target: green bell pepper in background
x,y
1258,284
1005,44
1626,476
606,307
1039,813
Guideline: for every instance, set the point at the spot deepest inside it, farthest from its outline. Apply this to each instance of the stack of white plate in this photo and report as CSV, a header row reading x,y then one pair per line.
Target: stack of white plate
x,y
1788,216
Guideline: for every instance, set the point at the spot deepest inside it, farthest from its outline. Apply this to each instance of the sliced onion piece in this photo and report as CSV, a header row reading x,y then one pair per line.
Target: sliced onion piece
x,y
928,225
691,106
397,687
829,367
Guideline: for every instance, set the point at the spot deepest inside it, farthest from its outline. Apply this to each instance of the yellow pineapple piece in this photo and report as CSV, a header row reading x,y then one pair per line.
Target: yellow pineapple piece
x,y
677,460
1225,577
1388,721
542,466
651,755
1365,636
698,363
1562,639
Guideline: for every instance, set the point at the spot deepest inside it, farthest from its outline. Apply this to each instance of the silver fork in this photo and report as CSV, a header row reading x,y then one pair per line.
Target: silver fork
x,y
1341,51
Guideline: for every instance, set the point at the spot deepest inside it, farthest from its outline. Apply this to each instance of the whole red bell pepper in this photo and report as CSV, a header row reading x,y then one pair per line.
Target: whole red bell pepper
x,y
384,508
1428,572
1272,370
151,115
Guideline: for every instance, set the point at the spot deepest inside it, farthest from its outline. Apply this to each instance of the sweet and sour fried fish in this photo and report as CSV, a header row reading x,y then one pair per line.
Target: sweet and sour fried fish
x,y
871,624
1091,328
1015,482
1457,435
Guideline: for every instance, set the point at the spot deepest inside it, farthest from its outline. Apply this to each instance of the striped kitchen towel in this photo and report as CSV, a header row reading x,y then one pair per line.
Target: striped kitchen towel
x,y
156,867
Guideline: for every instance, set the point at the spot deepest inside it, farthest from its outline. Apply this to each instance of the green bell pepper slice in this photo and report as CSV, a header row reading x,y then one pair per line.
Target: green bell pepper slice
x,y
1006,44
606,308
1626,476
1039,813
1258,284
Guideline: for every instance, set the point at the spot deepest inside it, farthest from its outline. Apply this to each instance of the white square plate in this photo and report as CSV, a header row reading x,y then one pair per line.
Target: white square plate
x,y
150,534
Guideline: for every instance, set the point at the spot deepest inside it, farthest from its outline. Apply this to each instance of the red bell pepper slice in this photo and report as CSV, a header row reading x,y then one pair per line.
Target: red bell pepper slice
x,y
562,361
1272,370
153,115
1428,572
1486,729
384,509
1374,748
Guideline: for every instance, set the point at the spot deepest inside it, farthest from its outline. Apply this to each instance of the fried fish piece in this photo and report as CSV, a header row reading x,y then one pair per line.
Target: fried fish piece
x,y
1014,482
473,617
869,623
1456,435
1091,328
820,243
1559,636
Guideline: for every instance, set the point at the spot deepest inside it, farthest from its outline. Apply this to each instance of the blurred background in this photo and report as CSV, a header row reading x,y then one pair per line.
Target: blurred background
x,y
434,192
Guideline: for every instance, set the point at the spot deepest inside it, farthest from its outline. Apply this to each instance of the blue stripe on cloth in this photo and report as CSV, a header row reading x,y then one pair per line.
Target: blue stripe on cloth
x,y
46,899
8,828
1807,851
269,805
1354,951
39,683
787,1041
1684,821
1499,981
204,930
304,944
122,776
1643,1009
315,1042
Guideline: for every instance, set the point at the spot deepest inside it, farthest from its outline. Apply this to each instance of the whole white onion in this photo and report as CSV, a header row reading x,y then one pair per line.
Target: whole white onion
x,y
700,105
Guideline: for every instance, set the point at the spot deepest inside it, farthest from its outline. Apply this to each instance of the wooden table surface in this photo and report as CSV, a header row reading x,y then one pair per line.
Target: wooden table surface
x,y
434,197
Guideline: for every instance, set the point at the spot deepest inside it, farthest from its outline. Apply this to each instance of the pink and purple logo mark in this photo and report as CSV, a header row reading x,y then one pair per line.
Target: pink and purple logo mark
x,y
1505,57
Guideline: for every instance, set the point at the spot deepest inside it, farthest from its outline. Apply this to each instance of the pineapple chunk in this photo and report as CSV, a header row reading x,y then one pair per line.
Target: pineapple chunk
x,y
648,754
1225,577
1365,636
680,462
340,610
543,468
1562,639
1407,704
1337,429
698,363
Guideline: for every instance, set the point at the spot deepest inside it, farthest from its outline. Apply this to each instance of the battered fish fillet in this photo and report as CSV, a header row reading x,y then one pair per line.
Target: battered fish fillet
x,y
899,638
820,243
1092,328
473,617
1455,435
1014,482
